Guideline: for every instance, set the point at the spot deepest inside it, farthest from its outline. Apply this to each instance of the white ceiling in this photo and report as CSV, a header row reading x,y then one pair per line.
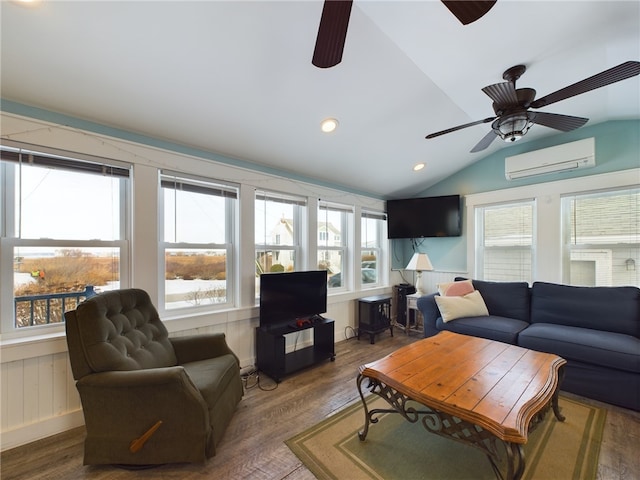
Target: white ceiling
x,y
235,77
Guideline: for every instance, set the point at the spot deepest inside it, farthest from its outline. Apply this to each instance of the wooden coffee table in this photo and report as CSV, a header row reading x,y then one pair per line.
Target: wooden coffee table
x,y
476,391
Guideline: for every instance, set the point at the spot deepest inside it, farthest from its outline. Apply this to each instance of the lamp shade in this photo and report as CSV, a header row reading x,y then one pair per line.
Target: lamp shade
x,y
419,262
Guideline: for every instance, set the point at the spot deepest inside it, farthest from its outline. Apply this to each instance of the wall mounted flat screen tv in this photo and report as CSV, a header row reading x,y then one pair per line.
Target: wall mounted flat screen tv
x,y
286,297
424,217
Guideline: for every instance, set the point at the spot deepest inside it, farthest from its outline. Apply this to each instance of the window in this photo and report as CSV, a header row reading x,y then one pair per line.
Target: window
x,y
278,220
65,232
198,218
333,224
601,238
372,232
504,241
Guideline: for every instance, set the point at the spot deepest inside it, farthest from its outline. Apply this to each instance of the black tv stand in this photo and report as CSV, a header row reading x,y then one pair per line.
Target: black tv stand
x,y
272,358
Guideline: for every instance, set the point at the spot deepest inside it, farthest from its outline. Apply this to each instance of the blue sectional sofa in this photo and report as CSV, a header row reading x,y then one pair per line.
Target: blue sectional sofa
x,y
596,329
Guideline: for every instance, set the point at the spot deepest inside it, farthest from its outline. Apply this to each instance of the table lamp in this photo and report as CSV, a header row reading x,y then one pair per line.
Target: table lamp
x,y
419,262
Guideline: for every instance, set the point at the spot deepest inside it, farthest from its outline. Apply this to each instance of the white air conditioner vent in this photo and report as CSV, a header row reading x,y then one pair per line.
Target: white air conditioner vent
x,y
569,156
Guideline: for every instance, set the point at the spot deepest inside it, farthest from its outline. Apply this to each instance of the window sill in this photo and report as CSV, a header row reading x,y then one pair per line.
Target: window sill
x,y
35,345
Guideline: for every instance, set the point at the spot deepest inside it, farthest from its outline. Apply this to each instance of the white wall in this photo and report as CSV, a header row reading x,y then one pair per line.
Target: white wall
x,y
38,397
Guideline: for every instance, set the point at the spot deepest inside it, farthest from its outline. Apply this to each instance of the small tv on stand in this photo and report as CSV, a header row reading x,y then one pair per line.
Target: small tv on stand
x,y
288,297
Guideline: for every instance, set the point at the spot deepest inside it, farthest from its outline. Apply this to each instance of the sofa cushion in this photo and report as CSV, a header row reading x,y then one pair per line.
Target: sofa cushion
x,y
470,305
607,349
611,309
506,299
491,327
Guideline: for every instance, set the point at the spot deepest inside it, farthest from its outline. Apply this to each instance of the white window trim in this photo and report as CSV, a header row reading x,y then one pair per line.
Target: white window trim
x,y
347,244
9,239
231,213
380,217
479,267
548,244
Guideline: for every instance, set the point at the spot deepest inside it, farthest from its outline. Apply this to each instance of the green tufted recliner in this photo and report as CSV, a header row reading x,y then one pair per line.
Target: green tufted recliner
x,y
148,399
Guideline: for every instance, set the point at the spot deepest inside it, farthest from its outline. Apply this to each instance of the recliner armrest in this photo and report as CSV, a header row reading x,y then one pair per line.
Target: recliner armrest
x,y
144,388
131,378
200,347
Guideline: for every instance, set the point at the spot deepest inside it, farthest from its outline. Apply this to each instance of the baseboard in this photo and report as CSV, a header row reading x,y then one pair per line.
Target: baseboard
x,y
36,431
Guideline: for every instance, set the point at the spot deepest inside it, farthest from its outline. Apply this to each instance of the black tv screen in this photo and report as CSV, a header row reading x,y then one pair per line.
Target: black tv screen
x,y
287,297
424,217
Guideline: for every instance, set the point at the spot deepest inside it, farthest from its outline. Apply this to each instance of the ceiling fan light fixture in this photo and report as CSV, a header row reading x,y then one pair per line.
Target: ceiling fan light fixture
x,y
328,125
512,128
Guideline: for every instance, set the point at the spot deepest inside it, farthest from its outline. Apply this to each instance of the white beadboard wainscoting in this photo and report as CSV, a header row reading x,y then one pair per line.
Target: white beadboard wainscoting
x,y
39,396
431,279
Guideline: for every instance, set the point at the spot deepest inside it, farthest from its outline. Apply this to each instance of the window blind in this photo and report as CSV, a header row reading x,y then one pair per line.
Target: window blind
x,y
280,198
195,185
41,159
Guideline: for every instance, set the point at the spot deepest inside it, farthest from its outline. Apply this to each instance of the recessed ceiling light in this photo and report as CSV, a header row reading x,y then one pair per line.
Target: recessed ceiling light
x,y
329,125
418,167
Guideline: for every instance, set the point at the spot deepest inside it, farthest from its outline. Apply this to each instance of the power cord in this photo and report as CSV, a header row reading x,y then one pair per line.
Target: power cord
x,y
348,329
251,379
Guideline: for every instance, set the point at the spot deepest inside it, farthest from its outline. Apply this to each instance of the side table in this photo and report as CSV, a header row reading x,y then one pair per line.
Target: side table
x,y
414,317
374,315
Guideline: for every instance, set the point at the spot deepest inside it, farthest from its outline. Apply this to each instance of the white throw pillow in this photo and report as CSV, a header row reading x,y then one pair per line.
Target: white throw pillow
x,y
470,305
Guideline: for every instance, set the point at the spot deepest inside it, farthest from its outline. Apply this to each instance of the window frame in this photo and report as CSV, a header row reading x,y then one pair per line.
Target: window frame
x,y
548,259
10,238
599,252
380,237
299,205
481,247
206,186
344,248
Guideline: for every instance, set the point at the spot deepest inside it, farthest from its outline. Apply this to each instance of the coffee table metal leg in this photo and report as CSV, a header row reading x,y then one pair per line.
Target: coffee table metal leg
x,y
369,416
362,434
515,461
554,399
444,425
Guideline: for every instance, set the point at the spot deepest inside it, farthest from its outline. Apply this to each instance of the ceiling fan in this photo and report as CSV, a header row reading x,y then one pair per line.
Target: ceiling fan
x,y
511,105
334,21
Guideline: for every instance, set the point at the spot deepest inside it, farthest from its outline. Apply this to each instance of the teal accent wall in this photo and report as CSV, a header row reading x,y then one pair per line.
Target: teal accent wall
x,y
617,148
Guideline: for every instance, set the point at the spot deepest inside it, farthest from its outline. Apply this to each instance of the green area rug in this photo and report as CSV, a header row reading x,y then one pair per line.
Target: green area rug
x,y
397,449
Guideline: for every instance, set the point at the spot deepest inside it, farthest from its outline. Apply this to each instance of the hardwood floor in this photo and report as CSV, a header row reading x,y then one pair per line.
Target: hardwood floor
x,y
253,445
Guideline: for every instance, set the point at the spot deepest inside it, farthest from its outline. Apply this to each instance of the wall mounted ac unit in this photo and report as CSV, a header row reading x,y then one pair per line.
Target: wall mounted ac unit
x,y
569,156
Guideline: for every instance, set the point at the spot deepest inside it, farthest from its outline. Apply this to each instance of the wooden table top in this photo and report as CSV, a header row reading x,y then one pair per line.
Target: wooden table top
x,y
497,386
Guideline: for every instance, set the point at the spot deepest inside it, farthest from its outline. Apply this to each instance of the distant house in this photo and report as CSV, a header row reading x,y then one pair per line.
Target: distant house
x,y
282,235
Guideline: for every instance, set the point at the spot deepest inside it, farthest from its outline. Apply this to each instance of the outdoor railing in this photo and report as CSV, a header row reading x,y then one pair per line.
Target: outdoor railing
x,y
47,308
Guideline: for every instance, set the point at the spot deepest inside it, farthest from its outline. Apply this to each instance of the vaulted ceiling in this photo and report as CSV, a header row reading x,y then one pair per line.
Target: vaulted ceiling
x,y
235,77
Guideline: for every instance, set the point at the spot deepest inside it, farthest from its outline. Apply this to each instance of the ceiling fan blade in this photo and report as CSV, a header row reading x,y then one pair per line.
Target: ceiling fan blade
x,y
460,127
503,94
332,33
621,72
564,123
485,142
468,12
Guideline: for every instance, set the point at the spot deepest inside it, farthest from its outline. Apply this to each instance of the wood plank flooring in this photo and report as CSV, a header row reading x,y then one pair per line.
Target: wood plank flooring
x,y
253,445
